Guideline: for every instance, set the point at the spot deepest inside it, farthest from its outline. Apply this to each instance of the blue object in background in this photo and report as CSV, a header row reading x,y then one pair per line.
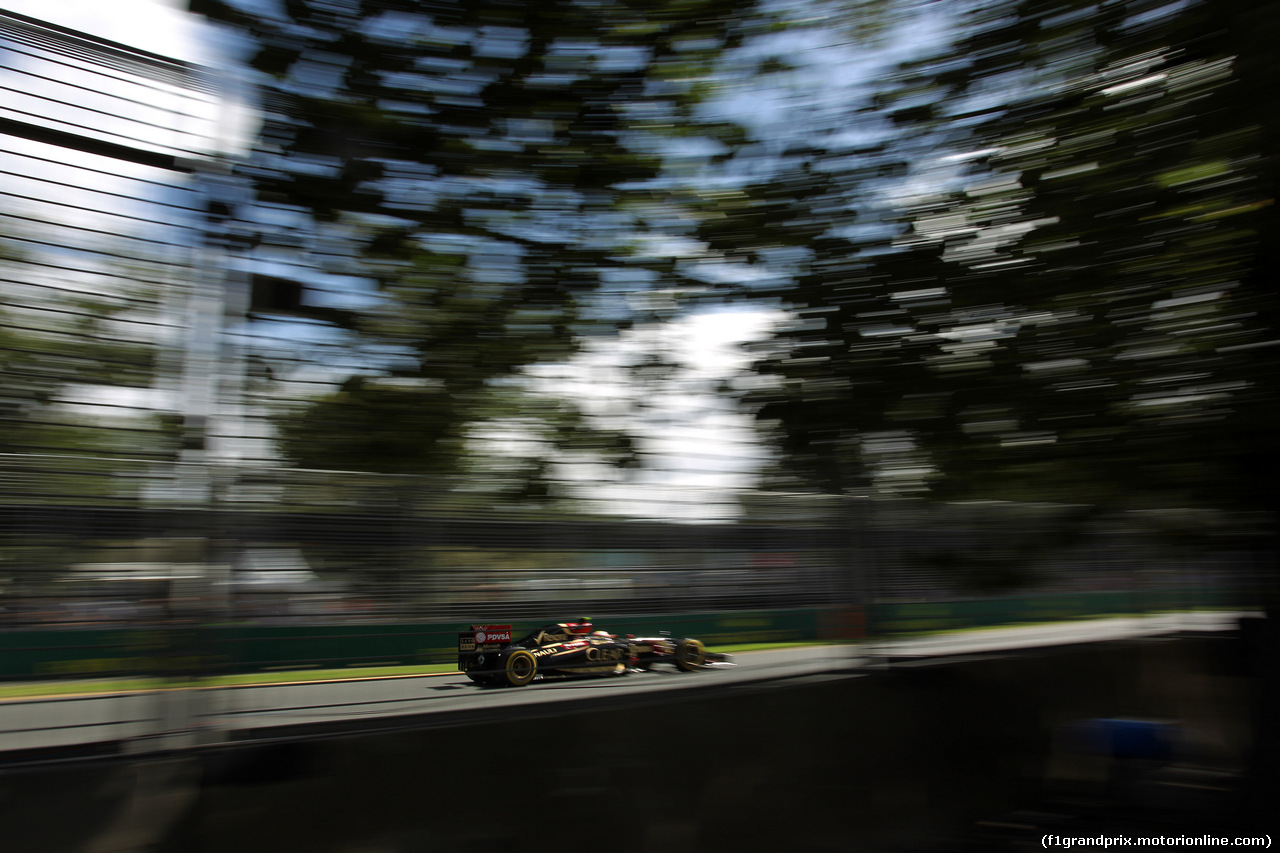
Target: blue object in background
x,y
1120,738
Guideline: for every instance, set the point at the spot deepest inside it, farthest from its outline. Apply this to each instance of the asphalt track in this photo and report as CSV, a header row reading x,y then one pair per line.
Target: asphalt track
x,y
164,720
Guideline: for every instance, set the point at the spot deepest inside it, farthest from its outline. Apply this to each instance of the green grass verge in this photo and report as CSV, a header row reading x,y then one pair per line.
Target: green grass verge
x,y
37,689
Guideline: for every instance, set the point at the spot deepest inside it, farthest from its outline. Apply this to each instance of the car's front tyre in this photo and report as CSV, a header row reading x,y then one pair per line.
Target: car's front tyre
x,y
690,655
519,668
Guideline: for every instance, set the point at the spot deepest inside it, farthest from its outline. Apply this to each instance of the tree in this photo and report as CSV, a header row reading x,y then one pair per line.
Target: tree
x,y
1079,314
469,166
56,342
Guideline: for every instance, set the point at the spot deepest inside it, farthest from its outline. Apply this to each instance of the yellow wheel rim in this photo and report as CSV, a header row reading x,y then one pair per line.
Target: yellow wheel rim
x,y
691,653
521,668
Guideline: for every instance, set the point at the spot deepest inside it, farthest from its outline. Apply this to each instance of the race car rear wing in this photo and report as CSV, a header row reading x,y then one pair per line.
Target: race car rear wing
x,y
479,640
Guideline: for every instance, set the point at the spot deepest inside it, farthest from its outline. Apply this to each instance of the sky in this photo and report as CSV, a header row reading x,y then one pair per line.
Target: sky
x,y
159,26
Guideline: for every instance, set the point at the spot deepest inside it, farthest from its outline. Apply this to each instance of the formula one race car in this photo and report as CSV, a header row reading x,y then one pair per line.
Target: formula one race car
x,y
487,655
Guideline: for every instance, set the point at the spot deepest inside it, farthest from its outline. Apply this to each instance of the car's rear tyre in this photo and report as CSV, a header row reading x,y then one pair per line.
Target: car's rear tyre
x,y
520,668
690,655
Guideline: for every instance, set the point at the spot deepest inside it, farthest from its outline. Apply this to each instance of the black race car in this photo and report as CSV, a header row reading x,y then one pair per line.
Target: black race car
x,y
488,656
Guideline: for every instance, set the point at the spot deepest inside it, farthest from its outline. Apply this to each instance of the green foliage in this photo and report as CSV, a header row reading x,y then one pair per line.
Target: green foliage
x,y
387,430
1083,315
51,346
473,163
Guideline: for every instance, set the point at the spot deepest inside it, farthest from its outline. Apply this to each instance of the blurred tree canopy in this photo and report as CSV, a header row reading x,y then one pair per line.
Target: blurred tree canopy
x,y
1078,303
1034,264
62,341
453,183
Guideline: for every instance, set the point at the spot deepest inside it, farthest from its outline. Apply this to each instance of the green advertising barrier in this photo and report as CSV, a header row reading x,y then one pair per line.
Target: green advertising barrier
x,y
251,648
76,653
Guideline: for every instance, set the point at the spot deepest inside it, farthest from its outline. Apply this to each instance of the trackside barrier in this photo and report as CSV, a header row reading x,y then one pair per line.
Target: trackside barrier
x,y
188,651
